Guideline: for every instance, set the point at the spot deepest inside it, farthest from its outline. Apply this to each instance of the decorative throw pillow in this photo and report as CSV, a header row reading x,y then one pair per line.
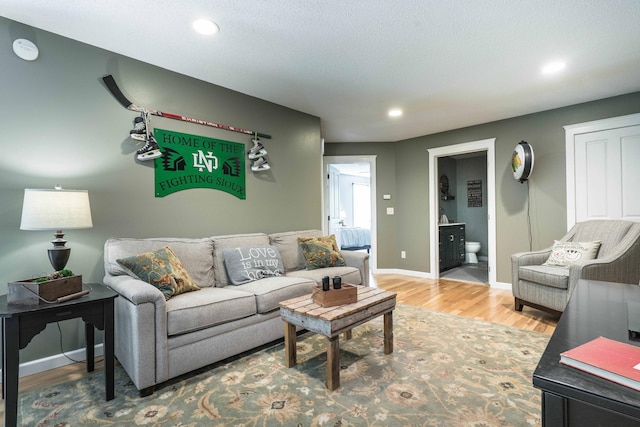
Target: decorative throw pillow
x,y
247,264
564,254
162,269
321,252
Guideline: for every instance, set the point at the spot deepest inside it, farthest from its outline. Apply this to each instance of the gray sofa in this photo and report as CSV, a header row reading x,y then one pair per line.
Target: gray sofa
x,y
158,339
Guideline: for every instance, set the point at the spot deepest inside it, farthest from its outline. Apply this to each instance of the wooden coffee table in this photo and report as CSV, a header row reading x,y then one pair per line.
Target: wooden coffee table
x,y
332,321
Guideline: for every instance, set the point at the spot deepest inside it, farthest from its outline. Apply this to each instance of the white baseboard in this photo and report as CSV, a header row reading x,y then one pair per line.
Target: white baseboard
x,y
55,361
421,274
502,285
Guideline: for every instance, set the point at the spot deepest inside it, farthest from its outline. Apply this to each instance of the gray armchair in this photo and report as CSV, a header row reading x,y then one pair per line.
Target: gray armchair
x,y
548,288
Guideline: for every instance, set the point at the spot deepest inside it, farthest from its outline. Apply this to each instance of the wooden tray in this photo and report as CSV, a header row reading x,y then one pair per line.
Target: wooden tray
x,y
29,292
346,295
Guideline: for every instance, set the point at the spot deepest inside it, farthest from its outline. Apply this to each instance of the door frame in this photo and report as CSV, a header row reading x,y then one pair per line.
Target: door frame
x,y
587,127
487,145
371,160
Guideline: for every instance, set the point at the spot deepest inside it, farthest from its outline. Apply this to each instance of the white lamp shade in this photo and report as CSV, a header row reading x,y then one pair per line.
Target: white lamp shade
x,y
55,210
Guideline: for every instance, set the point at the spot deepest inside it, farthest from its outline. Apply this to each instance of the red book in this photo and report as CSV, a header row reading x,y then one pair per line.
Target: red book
x,y
609,359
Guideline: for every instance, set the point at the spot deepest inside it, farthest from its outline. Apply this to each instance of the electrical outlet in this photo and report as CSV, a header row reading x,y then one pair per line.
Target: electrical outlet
x,y
403,254
390,211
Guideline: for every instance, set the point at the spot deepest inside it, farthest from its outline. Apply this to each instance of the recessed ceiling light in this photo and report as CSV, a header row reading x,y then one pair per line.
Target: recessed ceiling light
x,y
554,67
395,112
205,26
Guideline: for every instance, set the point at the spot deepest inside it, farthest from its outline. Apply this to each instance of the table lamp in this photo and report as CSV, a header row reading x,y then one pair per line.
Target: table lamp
x,y
54,210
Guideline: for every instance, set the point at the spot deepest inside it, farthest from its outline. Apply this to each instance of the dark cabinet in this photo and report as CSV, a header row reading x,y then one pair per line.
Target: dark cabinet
x,y
451,246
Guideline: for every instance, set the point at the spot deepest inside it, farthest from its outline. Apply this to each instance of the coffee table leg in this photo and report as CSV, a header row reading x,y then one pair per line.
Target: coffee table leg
x,y
348,335
333,362
388,332
290,344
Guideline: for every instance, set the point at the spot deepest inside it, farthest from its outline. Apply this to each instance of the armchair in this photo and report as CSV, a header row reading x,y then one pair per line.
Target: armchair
x,y
548,288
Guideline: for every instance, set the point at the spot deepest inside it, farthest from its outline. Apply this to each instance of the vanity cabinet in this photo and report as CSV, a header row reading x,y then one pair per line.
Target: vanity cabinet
x,y
451,246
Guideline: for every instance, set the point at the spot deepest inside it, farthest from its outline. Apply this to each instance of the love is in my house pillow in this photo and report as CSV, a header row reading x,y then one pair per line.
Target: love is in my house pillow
x,y
247,264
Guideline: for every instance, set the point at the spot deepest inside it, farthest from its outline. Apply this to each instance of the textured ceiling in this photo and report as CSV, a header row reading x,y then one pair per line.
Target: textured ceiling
x,y
446,63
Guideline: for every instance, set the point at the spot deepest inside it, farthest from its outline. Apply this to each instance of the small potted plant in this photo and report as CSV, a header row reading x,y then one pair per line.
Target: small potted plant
x,y
44,289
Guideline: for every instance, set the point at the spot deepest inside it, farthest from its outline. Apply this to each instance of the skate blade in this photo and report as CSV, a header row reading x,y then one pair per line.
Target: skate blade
x,y
260,168
150,155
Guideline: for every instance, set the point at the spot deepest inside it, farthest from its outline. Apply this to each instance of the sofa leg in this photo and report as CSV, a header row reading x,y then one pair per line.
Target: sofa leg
x,y
147,391
518,304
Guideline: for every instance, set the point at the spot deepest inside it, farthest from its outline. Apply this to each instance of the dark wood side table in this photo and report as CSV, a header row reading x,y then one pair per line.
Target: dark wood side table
x,y
574,398
21,323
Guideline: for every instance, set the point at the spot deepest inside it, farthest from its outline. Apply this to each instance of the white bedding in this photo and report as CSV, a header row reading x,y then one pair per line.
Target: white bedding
x,y
354,237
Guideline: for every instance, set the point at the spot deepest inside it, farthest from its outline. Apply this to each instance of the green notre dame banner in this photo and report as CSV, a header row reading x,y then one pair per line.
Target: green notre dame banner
x,y
192,161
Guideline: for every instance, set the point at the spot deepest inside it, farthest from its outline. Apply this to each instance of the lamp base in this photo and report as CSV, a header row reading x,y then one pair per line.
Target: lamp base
x,y
59,253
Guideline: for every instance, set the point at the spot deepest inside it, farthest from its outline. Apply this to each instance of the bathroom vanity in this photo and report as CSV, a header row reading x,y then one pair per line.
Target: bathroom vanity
x,y
451,245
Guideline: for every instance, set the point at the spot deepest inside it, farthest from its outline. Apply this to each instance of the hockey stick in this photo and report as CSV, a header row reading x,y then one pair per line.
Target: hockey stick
x,y
111,84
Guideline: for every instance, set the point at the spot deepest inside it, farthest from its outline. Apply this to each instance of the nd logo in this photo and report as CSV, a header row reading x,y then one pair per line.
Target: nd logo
x,y
205,161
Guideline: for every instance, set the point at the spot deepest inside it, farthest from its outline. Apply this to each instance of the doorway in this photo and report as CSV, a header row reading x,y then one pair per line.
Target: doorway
x,y
349,202
487,147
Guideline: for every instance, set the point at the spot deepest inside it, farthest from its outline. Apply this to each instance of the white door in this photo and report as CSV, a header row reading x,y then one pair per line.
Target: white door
x,y
334,202
602,169
608,174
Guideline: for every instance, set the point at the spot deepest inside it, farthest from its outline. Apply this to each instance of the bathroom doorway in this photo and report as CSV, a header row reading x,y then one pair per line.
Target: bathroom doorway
x,y
469,199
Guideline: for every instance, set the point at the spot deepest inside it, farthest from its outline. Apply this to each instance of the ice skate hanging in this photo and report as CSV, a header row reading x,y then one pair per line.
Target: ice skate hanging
x,y
141,132
258,156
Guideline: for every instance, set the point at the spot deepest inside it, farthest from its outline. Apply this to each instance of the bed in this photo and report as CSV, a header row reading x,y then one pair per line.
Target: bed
x,y
354,238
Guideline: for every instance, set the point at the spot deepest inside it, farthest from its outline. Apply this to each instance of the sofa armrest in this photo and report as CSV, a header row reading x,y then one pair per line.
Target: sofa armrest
x,y
135,290
531,258
521,259
141,330
359,260
620,266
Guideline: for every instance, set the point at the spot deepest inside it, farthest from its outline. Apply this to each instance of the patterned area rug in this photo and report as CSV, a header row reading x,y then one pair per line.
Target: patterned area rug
x,y
445,370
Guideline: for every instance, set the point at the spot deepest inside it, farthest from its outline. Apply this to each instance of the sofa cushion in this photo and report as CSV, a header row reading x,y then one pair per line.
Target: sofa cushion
x,y
162,269
348,274
564,254
207,307
249,263
230,241
289,247
196,255
557,277
270,291
321,252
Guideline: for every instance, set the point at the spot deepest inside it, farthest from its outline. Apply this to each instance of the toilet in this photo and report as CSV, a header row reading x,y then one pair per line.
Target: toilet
x,y
471,249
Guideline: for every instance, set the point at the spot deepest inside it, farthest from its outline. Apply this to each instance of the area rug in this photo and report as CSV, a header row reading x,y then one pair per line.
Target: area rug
x,y
445,370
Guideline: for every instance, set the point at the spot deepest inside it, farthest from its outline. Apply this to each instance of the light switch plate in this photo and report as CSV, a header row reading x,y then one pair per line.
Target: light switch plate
x,y
386,196
389,211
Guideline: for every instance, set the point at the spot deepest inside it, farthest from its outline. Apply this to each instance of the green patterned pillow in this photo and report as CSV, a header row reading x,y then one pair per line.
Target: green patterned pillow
x,y
162,269
321,252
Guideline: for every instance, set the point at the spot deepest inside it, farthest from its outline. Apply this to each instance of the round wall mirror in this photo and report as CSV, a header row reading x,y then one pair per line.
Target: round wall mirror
x,y
444,184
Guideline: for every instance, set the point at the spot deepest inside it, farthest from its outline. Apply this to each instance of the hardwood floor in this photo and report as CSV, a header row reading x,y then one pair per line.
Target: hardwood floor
x,y
467,299
462,298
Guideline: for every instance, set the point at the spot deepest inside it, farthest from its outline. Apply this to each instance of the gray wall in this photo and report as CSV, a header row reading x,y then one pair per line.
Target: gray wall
x,y
59,125
410,161
385,184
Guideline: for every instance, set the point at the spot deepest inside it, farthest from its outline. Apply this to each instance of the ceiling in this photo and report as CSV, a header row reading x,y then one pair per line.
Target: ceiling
x,y
446,63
